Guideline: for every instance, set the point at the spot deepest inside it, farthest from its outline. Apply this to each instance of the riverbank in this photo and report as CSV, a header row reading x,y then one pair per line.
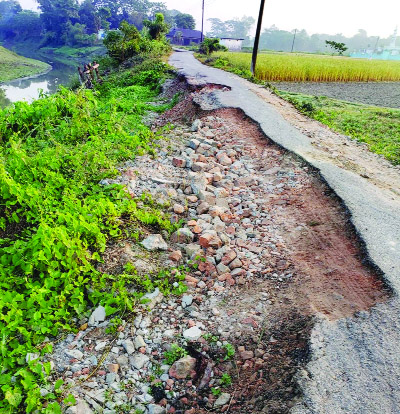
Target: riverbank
x,y
14,66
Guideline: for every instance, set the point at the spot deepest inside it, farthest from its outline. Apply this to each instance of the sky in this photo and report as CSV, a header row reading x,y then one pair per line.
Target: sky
x,y
378,18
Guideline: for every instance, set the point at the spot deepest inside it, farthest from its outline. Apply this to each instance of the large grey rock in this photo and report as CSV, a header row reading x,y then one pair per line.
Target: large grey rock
x,y
74,353
138,361
156,409
196,125
97,316
154,242
222,399
183,235
192,334
187,300
182,368
128,346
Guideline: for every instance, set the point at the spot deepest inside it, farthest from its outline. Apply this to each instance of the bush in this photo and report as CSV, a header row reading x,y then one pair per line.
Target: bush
x,y
211,45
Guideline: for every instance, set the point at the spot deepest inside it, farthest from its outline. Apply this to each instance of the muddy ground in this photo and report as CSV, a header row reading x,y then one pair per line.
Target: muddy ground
x,y
386,94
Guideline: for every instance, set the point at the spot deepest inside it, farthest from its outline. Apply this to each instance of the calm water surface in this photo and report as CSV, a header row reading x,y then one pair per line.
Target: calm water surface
x,y
30,89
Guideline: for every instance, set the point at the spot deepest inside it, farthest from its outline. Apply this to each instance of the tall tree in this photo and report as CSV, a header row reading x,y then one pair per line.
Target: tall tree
x,y
56,14
238,28
184,21
8,9
157,28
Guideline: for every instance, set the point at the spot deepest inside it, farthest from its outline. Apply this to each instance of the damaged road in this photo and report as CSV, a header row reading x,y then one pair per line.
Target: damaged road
x,y
353,363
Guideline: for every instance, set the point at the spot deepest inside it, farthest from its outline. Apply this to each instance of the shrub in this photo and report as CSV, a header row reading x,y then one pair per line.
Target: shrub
x,y
211,45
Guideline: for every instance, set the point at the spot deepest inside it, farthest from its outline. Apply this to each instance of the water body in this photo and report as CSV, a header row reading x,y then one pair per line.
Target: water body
x,y
31,88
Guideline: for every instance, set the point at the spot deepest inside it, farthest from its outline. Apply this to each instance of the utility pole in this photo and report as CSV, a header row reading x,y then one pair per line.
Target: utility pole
x,y
294,38
202,24
257,38
376,44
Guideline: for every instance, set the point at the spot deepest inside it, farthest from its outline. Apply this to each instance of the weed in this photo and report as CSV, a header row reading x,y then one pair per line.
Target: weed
x,y
226,380
175,353
229,351
216,391
56,219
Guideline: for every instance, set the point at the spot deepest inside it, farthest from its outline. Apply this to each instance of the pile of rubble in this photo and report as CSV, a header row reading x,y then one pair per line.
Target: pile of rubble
x,y
223,187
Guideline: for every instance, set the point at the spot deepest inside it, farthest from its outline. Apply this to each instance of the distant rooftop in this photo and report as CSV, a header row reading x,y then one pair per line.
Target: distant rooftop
x,y
188,33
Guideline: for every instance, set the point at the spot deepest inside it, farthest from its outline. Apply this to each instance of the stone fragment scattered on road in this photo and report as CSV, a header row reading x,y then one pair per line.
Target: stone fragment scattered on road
x,y
182,368
154,242
97,316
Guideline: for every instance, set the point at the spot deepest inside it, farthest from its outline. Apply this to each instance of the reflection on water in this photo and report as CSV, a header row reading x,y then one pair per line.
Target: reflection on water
x,y
30,89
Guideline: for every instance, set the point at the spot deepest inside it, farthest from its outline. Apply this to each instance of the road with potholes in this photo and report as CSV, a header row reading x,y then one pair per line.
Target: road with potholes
x,y
355,359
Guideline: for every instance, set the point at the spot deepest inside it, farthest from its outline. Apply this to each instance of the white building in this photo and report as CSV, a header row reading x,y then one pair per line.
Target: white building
x,y
233,45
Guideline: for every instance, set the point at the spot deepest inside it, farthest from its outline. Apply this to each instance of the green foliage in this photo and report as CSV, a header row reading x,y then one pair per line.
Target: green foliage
x,y
127,42
226,380
13,66
210,338
175,353
216,391
229,351
184,21
338,46
56,218
377,127
209,45
124,43
158,28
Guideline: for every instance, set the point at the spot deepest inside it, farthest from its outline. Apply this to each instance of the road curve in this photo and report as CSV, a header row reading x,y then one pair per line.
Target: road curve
x,y
355,364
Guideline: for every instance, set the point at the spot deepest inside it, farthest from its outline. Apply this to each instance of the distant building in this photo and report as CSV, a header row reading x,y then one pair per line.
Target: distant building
x,y
184,37
101,34
390,52
233,44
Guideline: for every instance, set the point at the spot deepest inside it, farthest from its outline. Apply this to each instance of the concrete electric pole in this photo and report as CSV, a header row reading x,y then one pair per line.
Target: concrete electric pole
x,y
202,23
294,38
257,38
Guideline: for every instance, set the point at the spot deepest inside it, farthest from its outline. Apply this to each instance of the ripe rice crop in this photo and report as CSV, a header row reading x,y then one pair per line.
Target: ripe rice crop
x,y
312,68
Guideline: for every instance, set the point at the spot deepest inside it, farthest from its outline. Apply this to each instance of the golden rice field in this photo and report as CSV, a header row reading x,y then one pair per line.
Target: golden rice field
x,y
307,67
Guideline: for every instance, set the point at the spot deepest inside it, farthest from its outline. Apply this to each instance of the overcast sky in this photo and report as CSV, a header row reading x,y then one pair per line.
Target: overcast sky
x,y
379,18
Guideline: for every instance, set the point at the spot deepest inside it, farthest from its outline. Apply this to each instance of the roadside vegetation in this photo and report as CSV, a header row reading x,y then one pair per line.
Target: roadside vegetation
x,y
378,127
13,66
300,67
56,216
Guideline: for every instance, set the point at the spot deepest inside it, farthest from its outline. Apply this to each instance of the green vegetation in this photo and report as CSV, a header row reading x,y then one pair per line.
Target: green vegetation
x,y
74,52
226,380
13,66
209,46
306,67
229,351
339,47
175,353
57,216
377,127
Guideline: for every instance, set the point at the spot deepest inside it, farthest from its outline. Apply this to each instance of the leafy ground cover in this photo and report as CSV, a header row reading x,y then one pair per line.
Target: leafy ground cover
x,y
56,219
307,67
377,127
14,66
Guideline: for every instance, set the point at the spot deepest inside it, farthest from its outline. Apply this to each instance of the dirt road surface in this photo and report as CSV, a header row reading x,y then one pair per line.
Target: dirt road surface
x,y
347,250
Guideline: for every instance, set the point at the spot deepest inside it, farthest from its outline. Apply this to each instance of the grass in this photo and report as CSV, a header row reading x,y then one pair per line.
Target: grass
x,y
13,66
75,53
307,67
378,127
56,220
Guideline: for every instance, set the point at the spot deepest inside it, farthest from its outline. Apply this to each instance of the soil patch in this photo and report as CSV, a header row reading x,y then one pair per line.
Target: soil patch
x,y
386,94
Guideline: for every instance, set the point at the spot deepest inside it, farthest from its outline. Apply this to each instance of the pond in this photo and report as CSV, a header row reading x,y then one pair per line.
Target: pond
x,y
31,88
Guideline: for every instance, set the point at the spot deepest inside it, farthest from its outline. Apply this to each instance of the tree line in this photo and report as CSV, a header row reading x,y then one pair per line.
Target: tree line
x,y
273,38
74,23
